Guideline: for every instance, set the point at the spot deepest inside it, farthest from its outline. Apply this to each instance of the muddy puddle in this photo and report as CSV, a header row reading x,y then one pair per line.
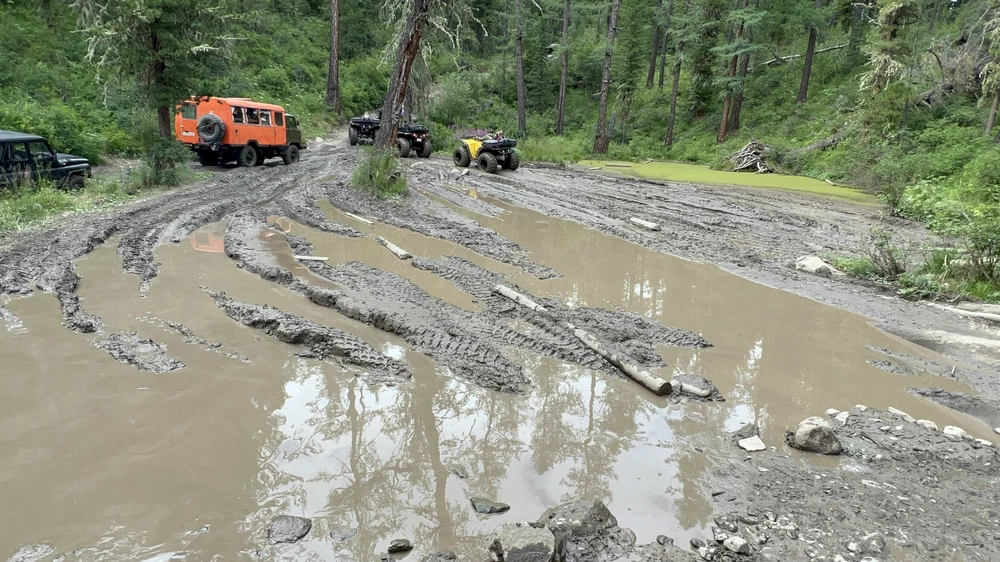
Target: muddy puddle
x,y
116,463
694,173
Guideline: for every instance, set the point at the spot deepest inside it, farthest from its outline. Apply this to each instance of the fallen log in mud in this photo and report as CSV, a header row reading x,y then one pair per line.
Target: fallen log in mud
x,y
653,382
396,250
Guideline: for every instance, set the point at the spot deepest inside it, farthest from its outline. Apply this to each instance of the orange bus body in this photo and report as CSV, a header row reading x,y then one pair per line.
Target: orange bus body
x,y
230,110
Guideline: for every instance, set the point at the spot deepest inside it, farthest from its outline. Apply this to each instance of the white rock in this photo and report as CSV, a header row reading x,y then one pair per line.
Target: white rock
x,y
861,407
984,442
956,432
816,435
816,266
928,424
842,418
520,542
831,412
737,545
906,417
752,444
996,430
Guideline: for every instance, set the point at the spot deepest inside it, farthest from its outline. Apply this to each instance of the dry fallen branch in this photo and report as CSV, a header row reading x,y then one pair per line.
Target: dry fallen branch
x,y
778,60
751,158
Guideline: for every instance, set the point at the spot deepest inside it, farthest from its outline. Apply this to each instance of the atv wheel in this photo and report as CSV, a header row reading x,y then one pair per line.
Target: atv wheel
x,y
513,161
248,156
488,162
291,155
426,149
404,147
462,157
207,158
352,136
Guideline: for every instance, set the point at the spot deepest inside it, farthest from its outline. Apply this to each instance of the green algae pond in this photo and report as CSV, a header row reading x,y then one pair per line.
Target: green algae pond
x,y
694,173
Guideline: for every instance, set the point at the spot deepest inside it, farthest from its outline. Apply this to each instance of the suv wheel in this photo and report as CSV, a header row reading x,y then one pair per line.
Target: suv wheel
x,y
404,147
248,156
75,183
291,155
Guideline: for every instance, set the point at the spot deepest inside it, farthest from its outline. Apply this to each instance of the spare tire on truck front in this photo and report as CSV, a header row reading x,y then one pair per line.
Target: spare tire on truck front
x,y
211,129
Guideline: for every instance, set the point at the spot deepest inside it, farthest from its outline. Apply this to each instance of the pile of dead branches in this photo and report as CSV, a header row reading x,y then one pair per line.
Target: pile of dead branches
x,y
751,158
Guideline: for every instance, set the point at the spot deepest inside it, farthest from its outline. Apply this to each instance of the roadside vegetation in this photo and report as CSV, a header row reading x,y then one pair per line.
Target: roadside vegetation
x,y
896,98
379,174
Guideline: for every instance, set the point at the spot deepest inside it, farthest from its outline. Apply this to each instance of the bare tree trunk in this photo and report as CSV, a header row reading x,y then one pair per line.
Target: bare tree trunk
x,y
666,43
853,44
992,121
601,140
734,117
409,46
678,58
159,79
938,4
333,78
561,114
727,105
807,67
654,51
522,124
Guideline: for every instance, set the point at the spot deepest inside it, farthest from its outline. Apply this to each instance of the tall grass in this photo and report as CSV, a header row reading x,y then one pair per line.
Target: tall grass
x,y
378,173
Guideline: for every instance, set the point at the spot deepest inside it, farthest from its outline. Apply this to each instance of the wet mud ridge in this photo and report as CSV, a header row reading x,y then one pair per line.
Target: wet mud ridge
x,y
144,353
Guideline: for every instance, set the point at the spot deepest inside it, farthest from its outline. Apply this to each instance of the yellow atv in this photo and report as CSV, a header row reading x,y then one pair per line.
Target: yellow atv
x,y
488,154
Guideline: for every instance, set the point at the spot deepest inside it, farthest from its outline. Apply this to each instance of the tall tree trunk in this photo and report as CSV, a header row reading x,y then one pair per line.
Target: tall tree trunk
x,y
669,140
854,43
727,104
651,75
333,78
666,42
734,117
938,4
409,46
159,79
601,140
561,113
807,67
522,124
992,121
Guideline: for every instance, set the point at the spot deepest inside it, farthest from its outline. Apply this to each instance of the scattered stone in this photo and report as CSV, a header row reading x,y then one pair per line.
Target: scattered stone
x,y
996,430
842,418
718,535
442,556
815,435
861,407
458,470
906,417
955,432
727,523
399,545
580,518
704,554
746,432
984,442
737,545
831,412
341,534
816,266
488,507
521,542
287,528
752,444
697,543
664,540
32,552
873,544
927,424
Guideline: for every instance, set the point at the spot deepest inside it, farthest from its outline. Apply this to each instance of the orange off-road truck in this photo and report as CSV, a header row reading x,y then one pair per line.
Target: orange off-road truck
x,y
222,130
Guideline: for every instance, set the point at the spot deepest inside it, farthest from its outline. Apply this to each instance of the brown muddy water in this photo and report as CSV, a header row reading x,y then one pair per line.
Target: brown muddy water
x,y
114,463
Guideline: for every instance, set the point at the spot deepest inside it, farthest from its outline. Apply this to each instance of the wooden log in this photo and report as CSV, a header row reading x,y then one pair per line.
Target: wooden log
x,y
595,168
399,252
793,57
311,258
690,389
360,219
613,165
657,385
644,224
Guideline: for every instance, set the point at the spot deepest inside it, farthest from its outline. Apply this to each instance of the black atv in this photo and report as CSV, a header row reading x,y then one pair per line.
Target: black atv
x,y
363,130
414,137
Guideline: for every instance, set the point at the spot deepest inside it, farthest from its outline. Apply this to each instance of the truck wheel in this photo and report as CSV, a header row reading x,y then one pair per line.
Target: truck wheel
x,y
352,136
404,147
488,162
291,155
426,149
75,183
462,157
248,156
513,161
207,158
211,129
260,157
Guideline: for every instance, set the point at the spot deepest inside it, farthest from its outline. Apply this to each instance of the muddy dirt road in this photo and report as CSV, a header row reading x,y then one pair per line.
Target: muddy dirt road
x,y
176,375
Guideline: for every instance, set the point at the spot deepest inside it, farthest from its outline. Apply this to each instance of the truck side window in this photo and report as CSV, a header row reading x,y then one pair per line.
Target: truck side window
x,y
292,122
237,115
189,111
265,117
40,152
279,119
253,117
18,152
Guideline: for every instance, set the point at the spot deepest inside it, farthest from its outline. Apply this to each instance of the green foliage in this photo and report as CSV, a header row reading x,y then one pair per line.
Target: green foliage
x,y
378,174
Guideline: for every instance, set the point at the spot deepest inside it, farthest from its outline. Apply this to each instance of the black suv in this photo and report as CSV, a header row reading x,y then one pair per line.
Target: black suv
x,y
25,158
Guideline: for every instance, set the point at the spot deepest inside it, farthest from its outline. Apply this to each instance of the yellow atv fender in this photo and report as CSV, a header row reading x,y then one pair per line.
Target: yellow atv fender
x,y
474,146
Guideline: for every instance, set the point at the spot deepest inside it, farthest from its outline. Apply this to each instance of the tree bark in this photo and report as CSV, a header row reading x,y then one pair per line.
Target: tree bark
x,y
807,67
734,117
853,44
678,58
601,140
333,78
159,79
409,46
561,113
666,43
654,51
992,121
938,4
522,124
727,104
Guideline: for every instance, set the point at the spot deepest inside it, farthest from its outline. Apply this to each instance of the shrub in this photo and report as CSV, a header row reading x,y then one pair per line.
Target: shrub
x,y
378,174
